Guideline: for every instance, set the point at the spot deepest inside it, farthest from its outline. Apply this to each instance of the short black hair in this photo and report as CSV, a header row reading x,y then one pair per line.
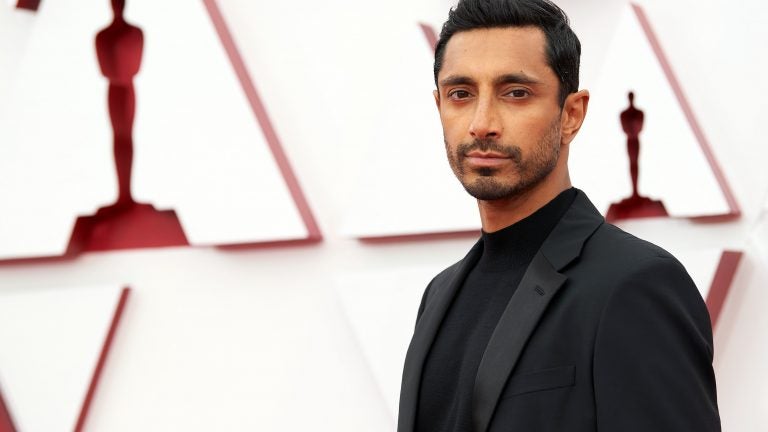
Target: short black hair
x,y
563,47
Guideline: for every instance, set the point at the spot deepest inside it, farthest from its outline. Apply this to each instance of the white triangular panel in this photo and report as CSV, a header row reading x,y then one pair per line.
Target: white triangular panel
x,y
199,148
407,186
673,166
51,339
381,307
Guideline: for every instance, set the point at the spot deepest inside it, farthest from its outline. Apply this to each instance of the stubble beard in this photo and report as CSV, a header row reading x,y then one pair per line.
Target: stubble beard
x,y
530,170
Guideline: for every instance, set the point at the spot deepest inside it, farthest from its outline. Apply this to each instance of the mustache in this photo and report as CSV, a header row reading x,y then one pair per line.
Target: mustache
x,y
490,145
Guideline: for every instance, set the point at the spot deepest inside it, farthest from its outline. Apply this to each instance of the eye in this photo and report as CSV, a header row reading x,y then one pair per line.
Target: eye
x,y
459,94
519,93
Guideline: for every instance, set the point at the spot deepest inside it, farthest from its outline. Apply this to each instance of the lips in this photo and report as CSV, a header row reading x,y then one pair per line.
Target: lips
x,y
485,159
486,155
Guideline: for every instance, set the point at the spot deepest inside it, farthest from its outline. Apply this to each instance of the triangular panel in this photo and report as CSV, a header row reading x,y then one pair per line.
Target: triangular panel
x,y
381,308
203,143
676,165
54,339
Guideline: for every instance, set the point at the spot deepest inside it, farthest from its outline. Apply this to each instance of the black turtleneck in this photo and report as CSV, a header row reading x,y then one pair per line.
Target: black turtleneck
x,y
445,395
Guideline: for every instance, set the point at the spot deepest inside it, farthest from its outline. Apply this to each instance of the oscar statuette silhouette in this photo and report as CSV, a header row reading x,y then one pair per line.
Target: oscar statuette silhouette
x,y
636,205
125,223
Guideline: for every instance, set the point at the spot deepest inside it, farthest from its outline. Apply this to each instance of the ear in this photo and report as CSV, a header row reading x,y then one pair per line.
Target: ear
x,y
572,117
436,94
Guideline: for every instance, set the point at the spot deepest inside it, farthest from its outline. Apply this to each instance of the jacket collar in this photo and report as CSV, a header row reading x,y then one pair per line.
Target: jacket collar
x,y
564,243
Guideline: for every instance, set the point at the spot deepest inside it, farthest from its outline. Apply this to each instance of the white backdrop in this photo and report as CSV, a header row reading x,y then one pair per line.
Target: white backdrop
x,y
308,337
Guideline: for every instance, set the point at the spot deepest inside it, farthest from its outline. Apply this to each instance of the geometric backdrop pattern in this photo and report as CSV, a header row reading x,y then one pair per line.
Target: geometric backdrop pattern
x,y
53,347
217,339
204,145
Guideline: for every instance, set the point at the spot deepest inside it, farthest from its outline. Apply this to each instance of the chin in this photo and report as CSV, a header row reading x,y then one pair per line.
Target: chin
x,y
490,188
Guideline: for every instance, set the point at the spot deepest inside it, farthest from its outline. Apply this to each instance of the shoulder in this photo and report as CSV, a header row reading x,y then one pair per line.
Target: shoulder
x,y
617,257
636,273
444,279
448,273
441,280
611,240
620,267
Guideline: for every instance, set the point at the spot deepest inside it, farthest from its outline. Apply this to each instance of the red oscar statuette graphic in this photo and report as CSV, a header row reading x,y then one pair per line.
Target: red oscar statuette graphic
x,y
636,206
125,223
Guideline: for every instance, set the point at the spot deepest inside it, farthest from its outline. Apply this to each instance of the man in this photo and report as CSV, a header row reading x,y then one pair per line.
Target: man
x,y
555,320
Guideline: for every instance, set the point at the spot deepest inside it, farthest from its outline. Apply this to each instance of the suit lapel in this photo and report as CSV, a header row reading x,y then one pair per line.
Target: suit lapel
x,y
539,285
424,335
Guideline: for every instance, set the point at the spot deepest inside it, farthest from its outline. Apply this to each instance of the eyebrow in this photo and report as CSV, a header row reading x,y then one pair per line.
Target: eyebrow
x,y
516,78
512,78
452,80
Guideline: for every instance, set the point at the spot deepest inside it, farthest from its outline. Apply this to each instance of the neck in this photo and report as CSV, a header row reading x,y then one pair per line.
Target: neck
x,y
501,213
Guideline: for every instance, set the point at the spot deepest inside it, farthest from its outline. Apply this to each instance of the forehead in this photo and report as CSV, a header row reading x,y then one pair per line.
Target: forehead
x,y
492,52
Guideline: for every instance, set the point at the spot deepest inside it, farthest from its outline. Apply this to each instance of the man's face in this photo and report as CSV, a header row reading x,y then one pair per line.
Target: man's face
x,y
499,106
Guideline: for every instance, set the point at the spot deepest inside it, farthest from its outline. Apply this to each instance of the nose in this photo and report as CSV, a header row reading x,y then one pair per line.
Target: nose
x,y
486,122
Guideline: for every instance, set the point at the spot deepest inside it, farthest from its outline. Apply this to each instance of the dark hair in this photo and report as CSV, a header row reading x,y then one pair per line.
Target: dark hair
x,y
563,47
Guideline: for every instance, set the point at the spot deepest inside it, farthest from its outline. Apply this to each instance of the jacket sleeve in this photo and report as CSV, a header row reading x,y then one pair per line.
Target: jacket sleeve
x,y
652,367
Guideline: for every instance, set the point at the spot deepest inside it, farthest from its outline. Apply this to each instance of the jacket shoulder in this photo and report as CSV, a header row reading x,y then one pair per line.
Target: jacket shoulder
x,y
442,279
612,259
616,243
438,283
620,265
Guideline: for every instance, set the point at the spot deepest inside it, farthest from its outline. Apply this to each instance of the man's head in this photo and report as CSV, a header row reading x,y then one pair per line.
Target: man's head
x,y
507,76
563,47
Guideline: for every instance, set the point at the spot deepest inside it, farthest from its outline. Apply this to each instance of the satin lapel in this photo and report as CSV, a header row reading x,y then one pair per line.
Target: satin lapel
x,y
540,283
424,335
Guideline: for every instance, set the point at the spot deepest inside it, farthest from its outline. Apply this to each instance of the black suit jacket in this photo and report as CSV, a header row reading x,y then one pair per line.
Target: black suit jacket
x,y
606,332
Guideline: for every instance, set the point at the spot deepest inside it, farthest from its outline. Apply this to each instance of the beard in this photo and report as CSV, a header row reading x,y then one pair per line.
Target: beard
x,y
490,184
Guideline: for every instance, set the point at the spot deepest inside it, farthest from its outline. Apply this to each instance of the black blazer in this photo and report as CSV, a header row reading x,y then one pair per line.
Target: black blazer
x,y
606,332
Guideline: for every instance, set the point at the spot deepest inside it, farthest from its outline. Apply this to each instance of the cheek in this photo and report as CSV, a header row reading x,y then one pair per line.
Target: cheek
x,y
529,130
450,151
454,131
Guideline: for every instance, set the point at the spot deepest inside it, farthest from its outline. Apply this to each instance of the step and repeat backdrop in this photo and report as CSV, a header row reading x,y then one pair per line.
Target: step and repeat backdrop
x,y
221,214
